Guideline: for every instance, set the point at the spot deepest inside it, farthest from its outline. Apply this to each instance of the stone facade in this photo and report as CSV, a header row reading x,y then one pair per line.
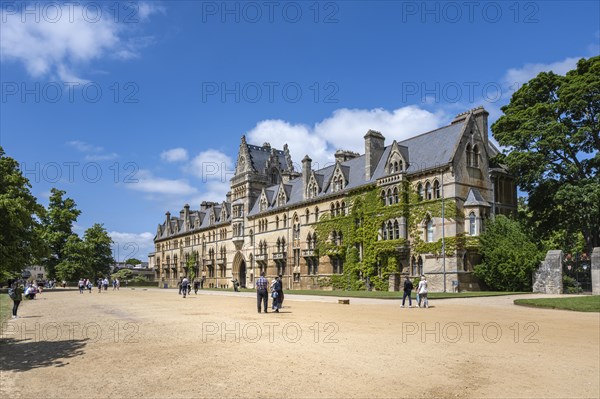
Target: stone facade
x,y
596,271
548,278
267,222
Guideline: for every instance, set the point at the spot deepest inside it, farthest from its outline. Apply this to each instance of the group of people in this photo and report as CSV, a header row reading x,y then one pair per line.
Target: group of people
x,y
185,287
101,283
421,292
262,293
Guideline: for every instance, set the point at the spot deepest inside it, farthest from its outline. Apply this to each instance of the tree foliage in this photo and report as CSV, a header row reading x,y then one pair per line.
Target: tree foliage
x,y
21,243
57,224
99,246
552,130
509,257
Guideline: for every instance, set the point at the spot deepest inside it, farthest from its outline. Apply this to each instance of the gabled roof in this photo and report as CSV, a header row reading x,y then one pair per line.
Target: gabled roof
x,y
474,198
260,155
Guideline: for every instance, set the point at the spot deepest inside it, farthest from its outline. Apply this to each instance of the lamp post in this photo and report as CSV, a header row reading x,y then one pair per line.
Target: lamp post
x,y
443,236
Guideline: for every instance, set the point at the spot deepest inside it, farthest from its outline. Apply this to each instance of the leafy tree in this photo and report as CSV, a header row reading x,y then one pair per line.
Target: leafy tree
x,y
133,261
190,266
21,243
509,257
552,129
76,260
57,224
98,244
123,274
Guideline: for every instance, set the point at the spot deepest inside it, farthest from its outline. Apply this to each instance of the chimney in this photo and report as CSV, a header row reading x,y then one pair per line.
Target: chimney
x,y
374,146
343,155
186,212
480,117
306,169
168,222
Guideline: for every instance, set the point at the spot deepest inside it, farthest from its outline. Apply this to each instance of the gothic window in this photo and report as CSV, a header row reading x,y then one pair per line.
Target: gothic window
x,y
316,214
428,191
276,222
274,176
281,199
429,230
384,231
469,153
251,234
472,224
343,208
332,208
436,189
420,191
383,198
390,231
396,230
284,220
475,158
263,204
396,198
307,213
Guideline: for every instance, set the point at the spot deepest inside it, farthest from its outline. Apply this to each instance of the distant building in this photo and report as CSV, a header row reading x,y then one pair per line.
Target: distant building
x,y
37,272
268,220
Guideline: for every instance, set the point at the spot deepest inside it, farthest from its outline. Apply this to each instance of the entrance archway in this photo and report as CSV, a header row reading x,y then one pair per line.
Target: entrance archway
x,y
239,269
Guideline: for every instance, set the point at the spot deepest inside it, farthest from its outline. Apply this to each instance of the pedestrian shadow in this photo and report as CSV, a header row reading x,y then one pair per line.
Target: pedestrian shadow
x,y
24,355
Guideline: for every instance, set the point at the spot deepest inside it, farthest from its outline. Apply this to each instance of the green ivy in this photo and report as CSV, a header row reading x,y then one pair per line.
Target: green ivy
x,y
360,228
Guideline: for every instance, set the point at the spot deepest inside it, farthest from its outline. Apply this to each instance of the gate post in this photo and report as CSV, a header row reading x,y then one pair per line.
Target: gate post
x,y
596,271
548,278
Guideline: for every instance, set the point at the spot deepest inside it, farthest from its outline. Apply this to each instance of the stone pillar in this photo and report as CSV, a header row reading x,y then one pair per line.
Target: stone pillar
x,y
548,278
394,283
596,271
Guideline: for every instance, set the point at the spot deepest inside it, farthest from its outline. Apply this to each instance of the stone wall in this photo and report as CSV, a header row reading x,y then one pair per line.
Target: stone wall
x,y
596,271
548,278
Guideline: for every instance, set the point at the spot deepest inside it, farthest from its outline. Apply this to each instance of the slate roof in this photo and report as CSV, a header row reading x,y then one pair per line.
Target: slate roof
x,y
260,155
474,198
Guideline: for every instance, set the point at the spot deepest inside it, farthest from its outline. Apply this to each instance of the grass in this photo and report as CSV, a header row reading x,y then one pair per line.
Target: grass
x,y
584,303
385,294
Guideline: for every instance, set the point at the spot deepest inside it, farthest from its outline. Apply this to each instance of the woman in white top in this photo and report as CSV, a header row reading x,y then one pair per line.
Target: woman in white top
x,y
422,290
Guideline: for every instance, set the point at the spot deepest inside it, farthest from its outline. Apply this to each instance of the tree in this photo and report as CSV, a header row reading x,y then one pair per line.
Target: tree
x,y
75,262
509,257
123,274
99,248
190,266
552,129
133,261
57,226
21,243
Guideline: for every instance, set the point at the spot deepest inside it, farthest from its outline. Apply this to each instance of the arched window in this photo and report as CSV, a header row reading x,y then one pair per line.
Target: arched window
x,y
472,224
420,191
396,167
436,189
428,191
429,231
475,156
316,214
469,154
284,220
383,198
251,234
396,199
276,222
396,230
332,208
343,208
384,231
390,231
390,199
307,214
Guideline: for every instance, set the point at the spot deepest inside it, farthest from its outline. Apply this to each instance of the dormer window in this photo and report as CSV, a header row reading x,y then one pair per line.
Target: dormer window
x,y
281,200
469,154
475,159
263,204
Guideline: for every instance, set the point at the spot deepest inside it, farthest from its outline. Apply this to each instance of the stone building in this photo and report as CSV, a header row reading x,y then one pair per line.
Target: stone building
x,y
268,220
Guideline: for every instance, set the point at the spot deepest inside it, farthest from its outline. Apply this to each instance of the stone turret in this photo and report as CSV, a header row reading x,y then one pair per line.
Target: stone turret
x,y
374,147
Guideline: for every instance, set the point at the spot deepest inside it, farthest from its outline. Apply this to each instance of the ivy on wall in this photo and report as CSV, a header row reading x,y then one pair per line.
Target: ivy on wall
x,y
360,227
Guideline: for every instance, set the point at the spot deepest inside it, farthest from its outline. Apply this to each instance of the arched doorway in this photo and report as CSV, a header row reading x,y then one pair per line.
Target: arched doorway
x,y
239,269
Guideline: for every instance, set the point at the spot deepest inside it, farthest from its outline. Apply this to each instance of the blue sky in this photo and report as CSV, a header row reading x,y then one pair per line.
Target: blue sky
x,y
136,108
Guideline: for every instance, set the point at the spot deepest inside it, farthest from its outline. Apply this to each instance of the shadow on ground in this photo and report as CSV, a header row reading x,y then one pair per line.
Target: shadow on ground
x,y
24,355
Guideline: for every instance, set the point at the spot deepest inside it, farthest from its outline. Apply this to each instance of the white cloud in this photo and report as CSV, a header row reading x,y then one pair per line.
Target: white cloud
x,y
212,165
93,153
516,77
132,245
102,157
83,146
157,185
57,43
174,155
344,129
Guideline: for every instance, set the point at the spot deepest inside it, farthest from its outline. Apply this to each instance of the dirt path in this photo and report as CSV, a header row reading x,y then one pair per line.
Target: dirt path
x,y
153,343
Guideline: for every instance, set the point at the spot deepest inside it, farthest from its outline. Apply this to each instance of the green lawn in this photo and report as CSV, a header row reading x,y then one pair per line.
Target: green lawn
x,y
584,303
386,294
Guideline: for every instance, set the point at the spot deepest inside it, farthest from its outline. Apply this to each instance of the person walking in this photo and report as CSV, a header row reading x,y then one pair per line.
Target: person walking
x,y
184,286
179,286
202,281
196,286
80,284
422,290
15,292
100,285
276,293
261,292
408,287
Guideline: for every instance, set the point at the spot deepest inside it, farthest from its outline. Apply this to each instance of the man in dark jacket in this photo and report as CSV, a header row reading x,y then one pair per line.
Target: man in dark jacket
x,y
408,287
